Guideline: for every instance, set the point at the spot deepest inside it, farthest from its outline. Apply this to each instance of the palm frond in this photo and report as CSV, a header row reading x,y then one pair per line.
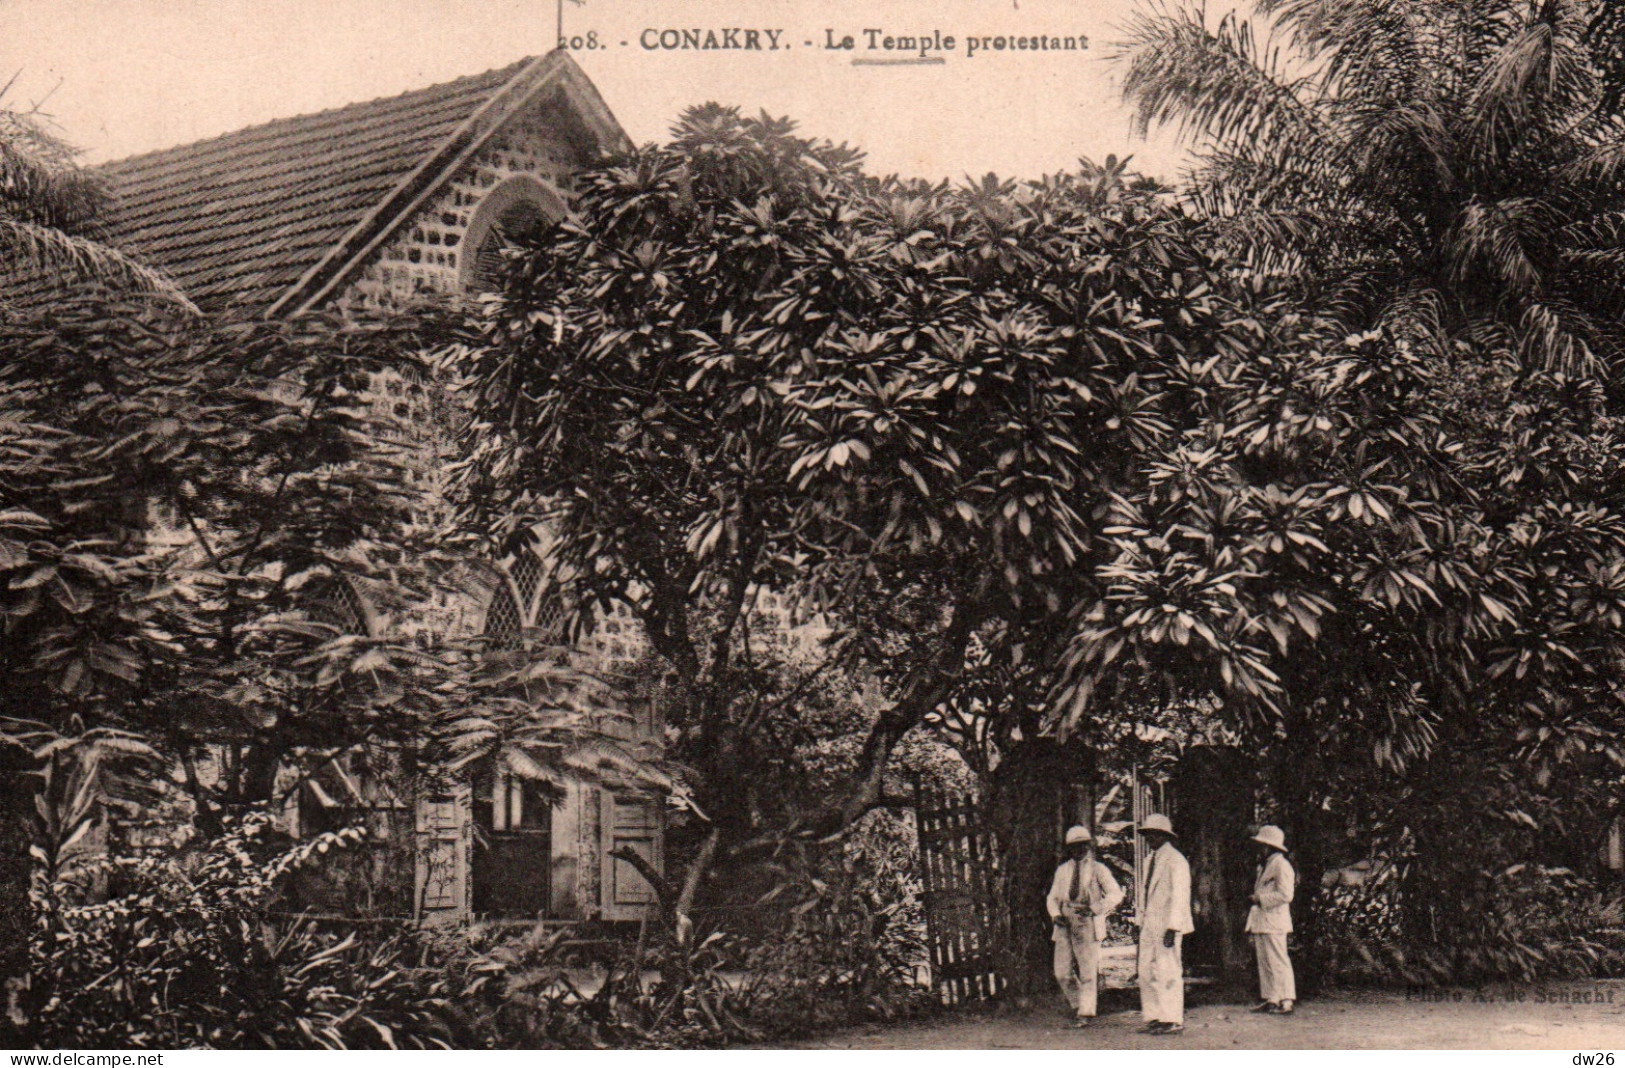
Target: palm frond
x,y
1558,338
40,181
1496,240
1285,220
1601,165
42,250
1416,312
1491,335
1220,85
1355,293
1371,49
1389,141
1525,90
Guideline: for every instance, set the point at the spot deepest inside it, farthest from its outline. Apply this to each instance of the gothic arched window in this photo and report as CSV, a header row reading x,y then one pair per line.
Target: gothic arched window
x,y
341,607
513,212
524,605
518,224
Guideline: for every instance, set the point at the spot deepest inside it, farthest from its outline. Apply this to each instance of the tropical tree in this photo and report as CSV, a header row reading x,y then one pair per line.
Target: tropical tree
x,y
1455,167
48,210
746,374
176,491
1442,174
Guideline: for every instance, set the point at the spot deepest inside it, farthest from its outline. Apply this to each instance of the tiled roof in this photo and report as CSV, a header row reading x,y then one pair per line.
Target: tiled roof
x,y
238,220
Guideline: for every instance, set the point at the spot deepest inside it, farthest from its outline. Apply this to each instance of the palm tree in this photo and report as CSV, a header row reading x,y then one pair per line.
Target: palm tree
x,y
48,207
1446,164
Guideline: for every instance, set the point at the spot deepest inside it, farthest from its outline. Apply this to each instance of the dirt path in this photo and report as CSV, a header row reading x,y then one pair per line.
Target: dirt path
x,y
1572,1015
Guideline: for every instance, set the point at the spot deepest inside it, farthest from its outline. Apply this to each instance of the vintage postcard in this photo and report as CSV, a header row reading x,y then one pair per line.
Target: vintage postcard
x,y
627,524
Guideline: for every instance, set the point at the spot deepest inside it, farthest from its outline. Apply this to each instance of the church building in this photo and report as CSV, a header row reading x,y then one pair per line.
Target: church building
x,y
387,199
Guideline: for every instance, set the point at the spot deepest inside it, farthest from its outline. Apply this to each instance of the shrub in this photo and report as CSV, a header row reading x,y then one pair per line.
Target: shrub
x,y
191,954
1526,923
850,938
835,945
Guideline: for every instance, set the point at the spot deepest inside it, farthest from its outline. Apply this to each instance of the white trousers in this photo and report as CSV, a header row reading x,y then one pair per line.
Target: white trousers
x,y
1077,967
1162,979
1275,980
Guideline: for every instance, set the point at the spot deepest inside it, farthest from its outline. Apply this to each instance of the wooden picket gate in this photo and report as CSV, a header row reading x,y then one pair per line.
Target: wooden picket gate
x,y
963,920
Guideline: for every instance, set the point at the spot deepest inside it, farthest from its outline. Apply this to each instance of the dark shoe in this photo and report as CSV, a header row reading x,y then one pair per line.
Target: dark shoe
x,y
1082,1021
1263,1006
1171,1029
1283,1009
1155,1027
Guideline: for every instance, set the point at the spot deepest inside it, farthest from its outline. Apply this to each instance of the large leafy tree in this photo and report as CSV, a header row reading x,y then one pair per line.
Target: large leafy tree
x,y
1453,166
1417,631
221,560
746,373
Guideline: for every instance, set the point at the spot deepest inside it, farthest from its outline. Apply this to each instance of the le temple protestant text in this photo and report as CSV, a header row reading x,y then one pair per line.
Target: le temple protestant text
x,y
931,44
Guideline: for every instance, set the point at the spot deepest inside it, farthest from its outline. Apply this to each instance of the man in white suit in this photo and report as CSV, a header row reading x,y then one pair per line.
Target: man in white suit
x,y
1081,896
1164,923
1270,920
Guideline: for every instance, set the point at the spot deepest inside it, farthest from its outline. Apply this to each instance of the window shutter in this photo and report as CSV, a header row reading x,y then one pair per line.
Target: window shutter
x,y
444,831
635,822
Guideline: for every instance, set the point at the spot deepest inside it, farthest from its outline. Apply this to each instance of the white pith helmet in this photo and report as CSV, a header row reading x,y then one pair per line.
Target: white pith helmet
x,y
1157,822
1271,835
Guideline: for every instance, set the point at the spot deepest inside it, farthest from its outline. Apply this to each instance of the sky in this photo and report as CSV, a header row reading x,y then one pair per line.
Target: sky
x,y
120,77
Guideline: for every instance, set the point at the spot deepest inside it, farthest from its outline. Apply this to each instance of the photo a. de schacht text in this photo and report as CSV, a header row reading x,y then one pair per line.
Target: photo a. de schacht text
x,y
921,45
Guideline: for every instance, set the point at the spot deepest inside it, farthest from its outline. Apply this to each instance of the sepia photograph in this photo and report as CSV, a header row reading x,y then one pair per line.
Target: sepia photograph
x,y
642,525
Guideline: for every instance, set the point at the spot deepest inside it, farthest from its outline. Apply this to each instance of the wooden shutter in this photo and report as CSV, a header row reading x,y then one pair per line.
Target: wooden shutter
x,y
445,834
635,822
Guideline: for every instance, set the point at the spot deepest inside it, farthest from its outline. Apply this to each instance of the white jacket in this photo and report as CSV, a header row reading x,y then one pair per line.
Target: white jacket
x,y
1168,896
1098,893
1273,888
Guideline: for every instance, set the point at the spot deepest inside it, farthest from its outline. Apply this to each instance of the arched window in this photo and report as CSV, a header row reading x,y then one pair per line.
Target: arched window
x,y
504,625
519,224
513,211
525,604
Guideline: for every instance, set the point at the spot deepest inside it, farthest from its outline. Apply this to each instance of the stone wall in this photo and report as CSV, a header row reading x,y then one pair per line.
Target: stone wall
x,y
426,256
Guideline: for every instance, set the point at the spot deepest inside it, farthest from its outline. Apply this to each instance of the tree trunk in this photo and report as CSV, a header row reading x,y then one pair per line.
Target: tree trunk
x,y
1027,800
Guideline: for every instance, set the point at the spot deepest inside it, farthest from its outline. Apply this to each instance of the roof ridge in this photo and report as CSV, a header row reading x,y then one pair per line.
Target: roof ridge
x,y
277,214
458,145
326,114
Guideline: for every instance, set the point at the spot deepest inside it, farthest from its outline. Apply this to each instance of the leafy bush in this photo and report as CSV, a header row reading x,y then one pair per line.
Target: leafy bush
x,y
191,954
725,990
837,945
1527,923
847,956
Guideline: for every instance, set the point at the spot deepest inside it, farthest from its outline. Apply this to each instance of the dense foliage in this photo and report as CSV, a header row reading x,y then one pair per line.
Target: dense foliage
x,y
190,512
195,948
901,481
188,954
1427,525
745,374
1453,166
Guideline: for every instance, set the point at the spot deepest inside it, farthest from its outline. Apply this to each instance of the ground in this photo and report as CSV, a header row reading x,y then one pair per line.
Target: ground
x,y
1571,1015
